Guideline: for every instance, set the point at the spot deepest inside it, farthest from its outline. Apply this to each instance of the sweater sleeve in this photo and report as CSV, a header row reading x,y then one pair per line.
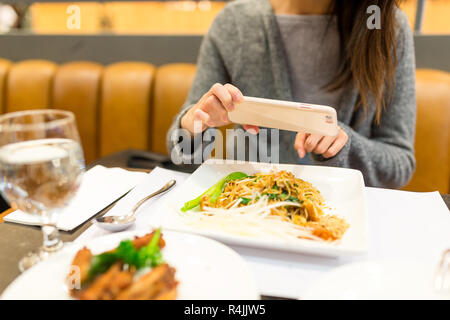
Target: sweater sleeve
x,y
386,158
211,69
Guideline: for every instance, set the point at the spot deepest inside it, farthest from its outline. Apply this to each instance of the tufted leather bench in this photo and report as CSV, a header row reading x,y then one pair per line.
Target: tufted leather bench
x,y
131,105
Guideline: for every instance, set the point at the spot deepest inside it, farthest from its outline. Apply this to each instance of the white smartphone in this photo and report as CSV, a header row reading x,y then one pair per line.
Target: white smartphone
x,y
286,115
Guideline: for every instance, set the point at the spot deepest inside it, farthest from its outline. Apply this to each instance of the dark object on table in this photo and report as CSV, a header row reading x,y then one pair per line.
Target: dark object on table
x,y
150,160
3,204
138,159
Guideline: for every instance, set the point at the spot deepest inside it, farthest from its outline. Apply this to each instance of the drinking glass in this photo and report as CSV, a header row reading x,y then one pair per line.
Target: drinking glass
x,y
41,166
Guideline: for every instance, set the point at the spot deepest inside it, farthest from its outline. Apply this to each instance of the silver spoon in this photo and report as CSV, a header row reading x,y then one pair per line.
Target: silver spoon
x,y
122,222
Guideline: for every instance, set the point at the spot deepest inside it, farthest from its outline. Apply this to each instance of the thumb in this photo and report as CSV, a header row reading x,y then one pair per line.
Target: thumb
x,y
251,129
299,144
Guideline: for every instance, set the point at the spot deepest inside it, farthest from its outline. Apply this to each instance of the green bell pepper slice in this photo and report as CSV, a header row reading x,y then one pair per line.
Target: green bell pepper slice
x,y
214,191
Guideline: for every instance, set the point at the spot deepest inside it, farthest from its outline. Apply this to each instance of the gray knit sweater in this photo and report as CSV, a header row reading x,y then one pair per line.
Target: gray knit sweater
x,y
244,47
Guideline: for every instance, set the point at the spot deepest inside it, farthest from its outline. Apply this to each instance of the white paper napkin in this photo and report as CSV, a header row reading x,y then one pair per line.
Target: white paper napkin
x,y
99,188
157,178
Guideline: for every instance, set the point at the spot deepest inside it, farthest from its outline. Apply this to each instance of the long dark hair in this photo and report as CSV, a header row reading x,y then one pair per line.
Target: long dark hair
x,y
368,55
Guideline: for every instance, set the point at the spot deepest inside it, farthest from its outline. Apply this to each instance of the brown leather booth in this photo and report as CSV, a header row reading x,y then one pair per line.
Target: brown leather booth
x,y
432,132
76,88
131,105
125,107
171,87
29,85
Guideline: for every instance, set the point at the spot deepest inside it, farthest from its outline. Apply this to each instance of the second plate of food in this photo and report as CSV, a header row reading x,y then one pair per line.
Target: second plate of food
x,y
138,265
305,209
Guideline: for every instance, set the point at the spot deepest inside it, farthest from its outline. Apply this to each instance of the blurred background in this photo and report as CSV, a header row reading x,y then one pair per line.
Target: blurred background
x,y
125,67
161,17
172,29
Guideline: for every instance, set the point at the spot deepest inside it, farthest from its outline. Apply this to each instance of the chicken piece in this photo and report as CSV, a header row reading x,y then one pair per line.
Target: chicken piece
x,y
140,242
80,267
99,289
112,282
121,281
159,283
169,294
83,261
108,285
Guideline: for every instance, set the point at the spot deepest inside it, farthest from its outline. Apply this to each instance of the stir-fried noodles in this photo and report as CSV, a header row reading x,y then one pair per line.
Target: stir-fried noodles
x,y
290,205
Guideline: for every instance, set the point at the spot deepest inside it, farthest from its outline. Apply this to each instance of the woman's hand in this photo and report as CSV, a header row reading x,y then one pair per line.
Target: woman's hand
x,y
212,109
326,146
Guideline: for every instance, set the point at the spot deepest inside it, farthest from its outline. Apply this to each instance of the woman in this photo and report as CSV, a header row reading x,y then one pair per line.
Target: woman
x,y
321,52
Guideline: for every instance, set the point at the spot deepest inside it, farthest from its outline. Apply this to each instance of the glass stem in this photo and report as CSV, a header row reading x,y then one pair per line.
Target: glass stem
x,y
52,242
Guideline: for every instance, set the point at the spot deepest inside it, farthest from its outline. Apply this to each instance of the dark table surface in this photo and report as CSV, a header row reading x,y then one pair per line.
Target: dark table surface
x,y
16,240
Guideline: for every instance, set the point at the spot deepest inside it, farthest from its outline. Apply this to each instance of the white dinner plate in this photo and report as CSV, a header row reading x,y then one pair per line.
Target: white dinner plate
x,y
375,280
205,269
343,190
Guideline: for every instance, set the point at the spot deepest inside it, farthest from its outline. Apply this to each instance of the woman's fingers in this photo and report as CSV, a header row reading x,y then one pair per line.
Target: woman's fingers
x,y
218,101
236,94
213,107
251,129
311,142
326,146
337,145
323,145
299,144
223,95
218,116
203,118
236,97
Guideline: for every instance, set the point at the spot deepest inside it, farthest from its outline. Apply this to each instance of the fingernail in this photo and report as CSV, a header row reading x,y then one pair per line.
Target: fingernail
x,y
238,97
301,153
252,131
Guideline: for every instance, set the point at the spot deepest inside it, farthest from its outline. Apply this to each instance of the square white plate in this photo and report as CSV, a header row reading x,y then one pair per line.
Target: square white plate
x,y
343,190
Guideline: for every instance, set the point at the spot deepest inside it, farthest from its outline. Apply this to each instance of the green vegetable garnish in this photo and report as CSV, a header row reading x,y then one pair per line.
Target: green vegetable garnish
x,y
101,263
214,191
245,200
283,196
148,256
273,196
294,199
127,253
